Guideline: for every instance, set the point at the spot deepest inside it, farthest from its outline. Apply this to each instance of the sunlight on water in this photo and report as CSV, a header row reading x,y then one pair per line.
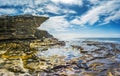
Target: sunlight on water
x,y
68,52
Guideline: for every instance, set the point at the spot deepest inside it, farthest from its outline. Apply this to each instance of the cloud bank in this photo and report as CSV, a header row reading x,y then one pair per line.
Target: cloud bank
x,y
65,14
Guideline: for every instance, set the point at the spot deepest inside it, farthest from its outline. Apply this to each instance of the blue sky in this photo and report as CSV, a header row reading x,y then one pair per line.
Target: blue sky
x,y
70,18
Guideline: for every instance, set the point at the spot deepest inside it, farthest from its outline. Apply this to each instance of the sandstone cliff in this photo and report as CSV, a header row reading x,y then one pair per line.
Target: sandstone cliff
x,y
22,27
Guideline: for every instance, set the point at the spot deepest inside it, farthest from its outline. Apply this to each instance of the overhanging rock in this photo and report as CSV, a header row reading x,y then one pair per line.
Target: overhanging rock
x,y
21,27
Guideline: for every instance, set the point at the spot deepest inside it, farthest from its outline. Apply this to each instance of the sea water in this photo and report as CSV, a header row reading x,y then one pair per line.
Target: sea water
x,y
70,53
113,40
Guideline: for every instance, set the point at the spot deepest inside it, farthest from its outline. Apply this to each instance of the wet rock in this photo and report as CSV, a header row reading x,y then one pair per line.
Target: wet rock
x,y
70,71
15,65
2,52
61,43
117,71
58,67
46,43
4,72
85,48
109,74
92,43
82,64
43,74
2,60
16,69
37,66
89,74
87,57
94,65
25,74
78,47
76,68
63,74
83,51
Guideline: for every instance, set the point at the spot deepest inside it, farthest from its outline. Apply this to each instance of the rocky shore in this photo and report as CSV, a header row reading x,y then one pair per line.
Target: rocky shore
x,y
26,51
20,40
100,59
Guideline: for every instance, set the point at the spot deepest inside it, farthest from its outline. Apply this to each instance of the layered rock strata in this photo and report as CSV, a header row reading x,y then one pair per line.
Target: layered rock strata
x,y
22,27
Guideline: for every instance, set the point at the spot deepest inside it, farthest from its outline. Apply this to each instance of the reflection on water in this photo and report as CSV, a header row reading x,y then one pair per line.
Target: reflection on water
x,y
66,51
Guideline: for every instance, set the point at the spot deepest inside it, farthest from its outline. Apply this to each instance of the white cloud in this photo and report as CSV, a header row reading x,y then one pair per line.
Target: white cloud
x,y
71,36
52,8
15,2
38,2
57,23
67,36
29,11
7,11
56,9
97,2
40,10
37,6
93,15
76,21
70,2
68,11
113,17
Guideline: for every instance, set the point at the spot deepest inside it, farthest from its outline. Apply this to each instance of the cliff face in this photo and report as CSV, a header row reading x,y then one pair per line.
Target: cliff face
x,y
22,27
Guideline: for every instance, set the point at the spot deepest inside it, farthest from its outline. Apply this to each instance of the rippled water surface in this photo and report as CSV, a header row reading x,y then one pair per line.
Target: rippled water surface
x,y
66,51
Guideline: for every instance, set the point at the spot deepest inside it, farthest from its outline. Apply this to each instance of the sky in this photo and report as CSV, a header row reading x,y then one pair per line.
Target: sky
x,y
70,18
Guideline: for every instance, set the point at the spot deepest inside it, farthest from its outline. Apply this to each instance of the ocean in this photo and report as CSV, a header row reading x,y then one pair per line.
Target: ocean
x,y
113,40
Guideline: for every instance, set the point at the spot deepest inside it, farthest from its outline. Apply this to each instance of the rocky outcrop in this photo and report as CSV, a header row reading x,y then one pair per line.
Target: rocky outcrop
x,y
22,27
20,40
